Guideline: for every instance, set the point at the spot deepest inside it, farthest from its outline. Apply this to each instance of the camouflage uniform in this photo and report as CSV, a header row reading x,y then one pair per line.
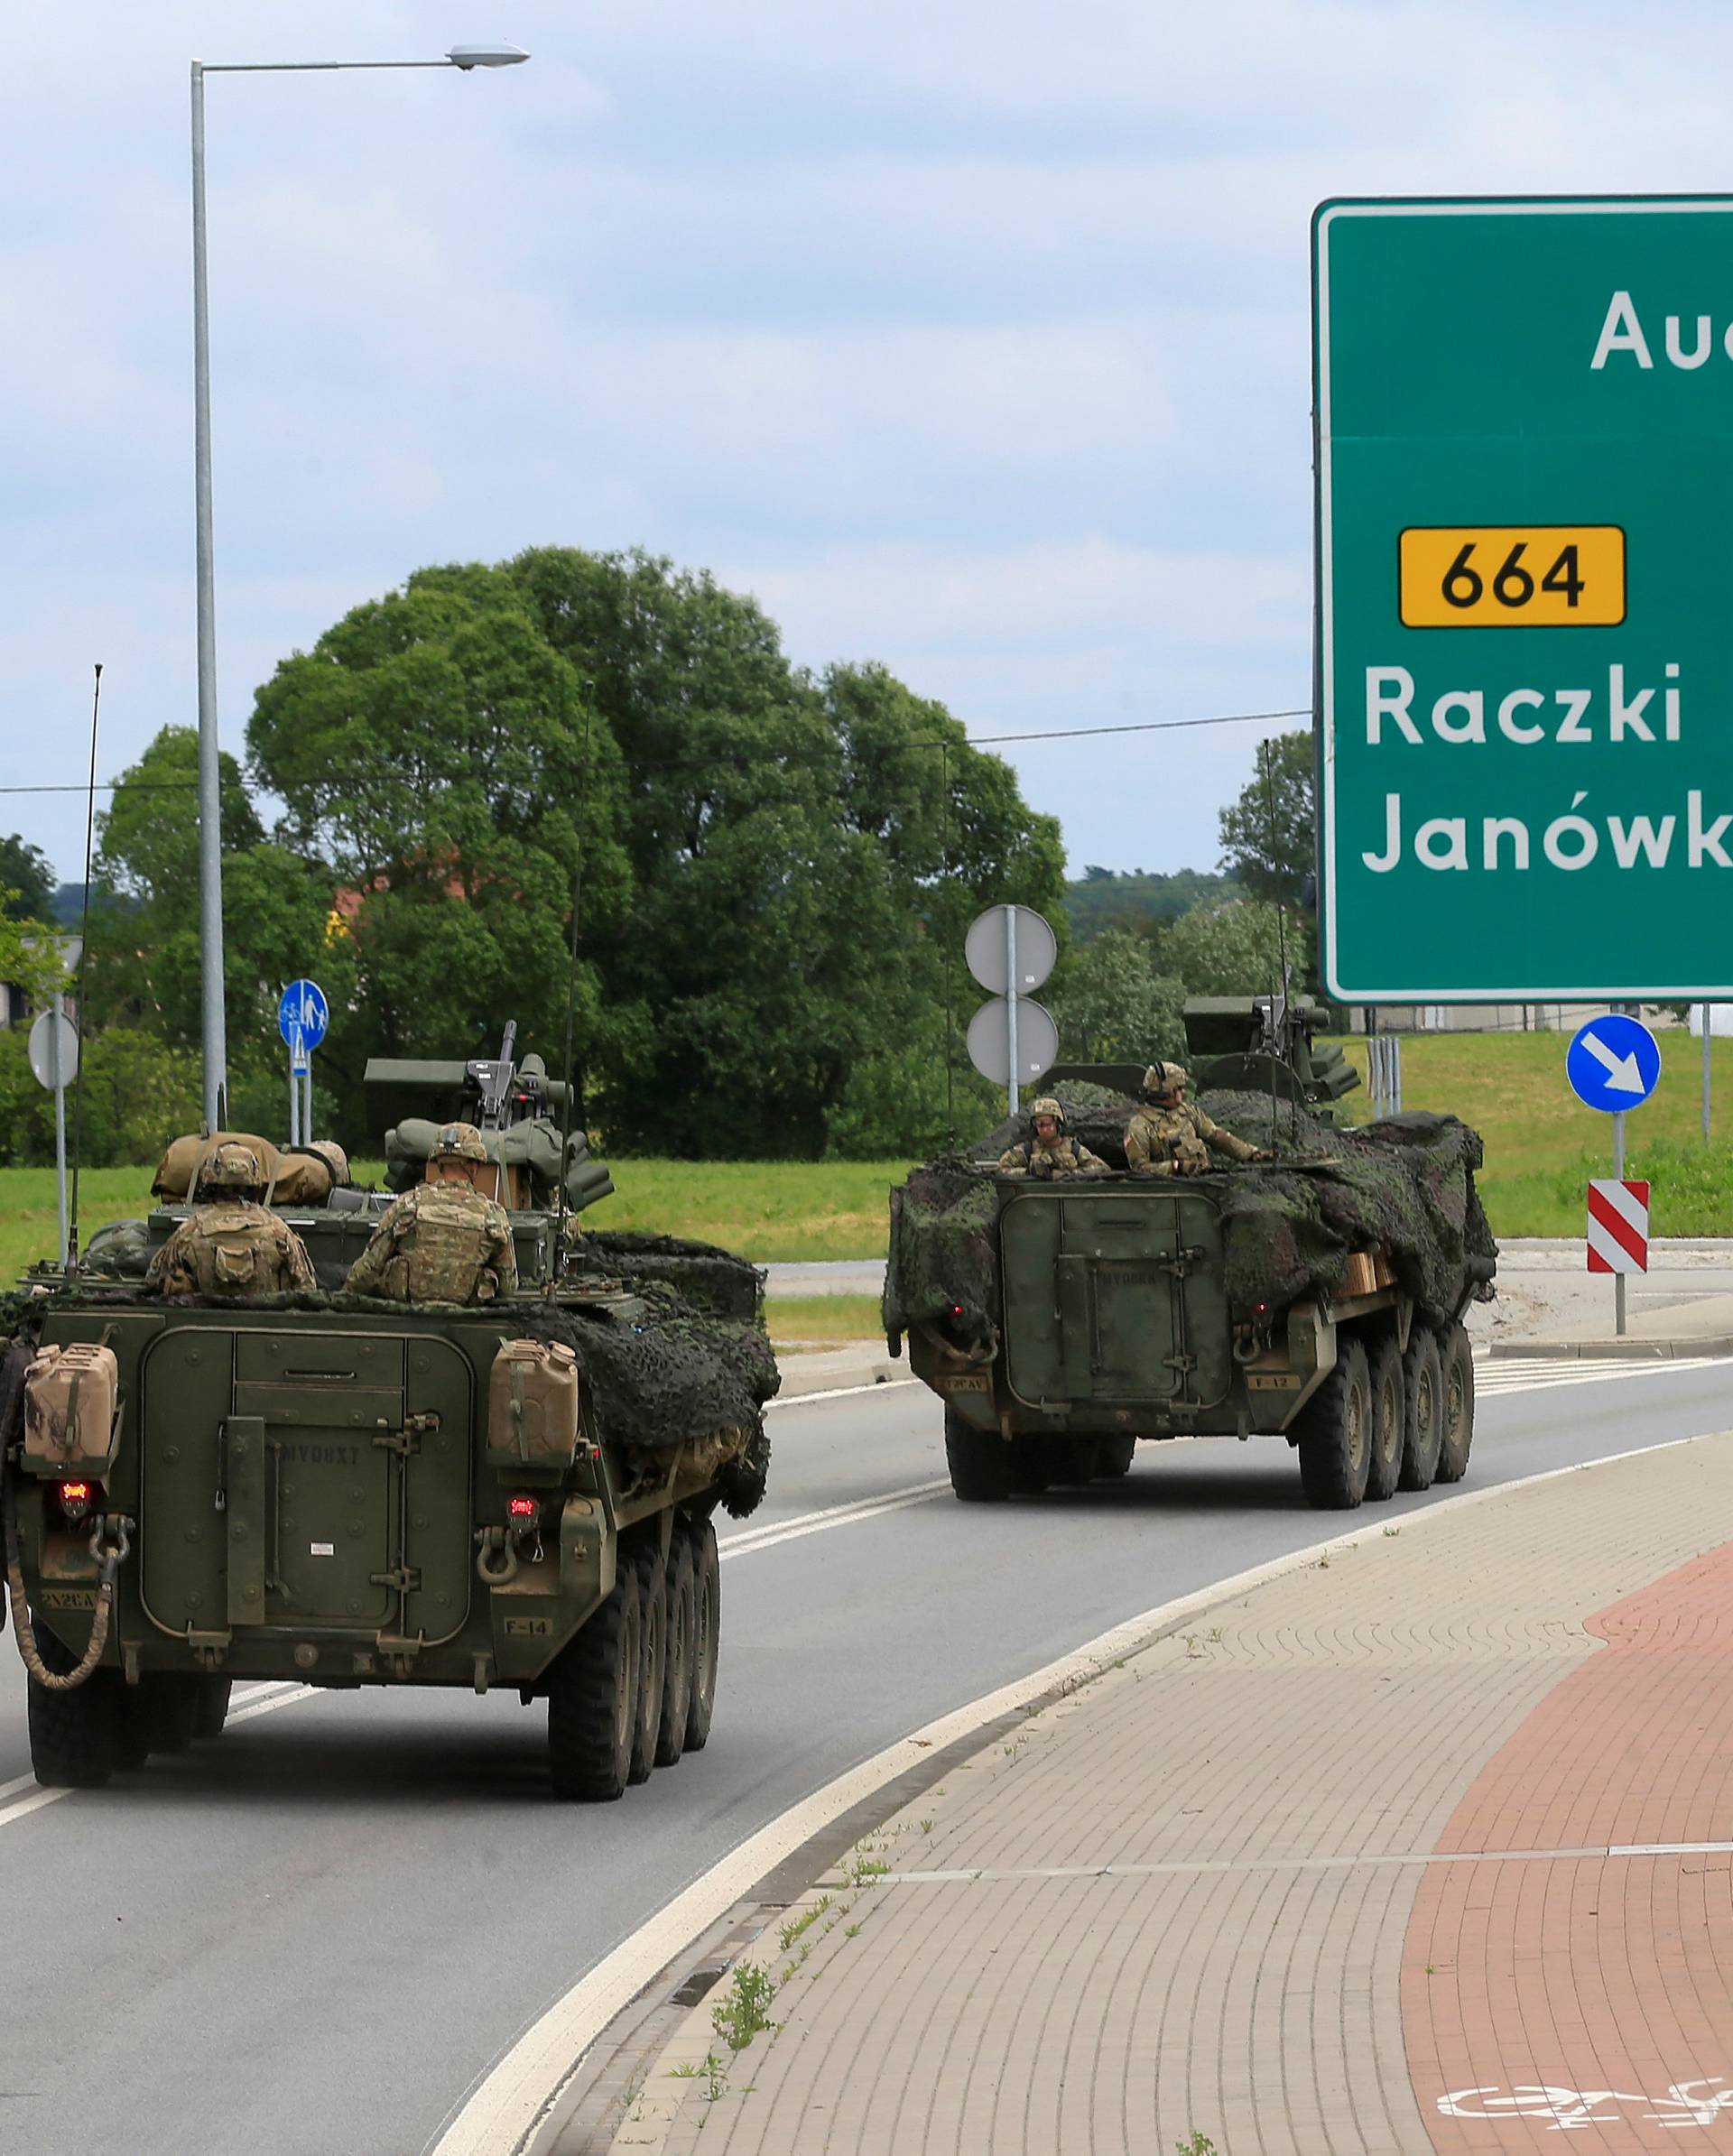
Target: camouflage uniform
x,y
1065,1156
231,1245
442,1242
1161,1136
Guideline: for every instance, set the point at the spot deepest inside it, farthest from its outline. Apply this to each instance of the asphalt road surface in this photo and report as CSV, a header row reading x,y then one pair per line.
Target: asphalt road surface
x,y
317,1934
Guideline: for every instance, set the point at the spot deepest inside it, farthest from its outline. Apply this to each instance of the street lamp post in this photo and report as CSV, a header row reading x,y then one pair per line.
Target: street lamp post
x,y
213,1029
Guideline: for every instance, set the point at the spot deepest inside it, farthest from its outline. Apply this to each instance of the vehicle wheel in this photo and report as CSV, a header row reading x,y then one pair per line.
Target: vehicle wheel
x,y
707,1632
72,1734
160,1709
677,1655
1032,1465
1457,1362
979,1461
1389,1418
1336,1432
653,1655
593,1700
1424,1374
1115,1456
1079,1460
212,1710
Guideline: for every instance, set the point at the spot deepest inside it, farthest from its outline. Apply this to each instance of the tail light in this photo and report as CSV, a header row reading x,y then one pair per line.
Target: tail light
x,y
75,1499
523,1511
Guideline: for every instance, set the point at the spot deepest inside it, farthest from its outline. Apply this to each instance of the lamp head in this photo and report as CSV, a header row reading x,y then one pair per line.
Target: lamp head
x,y
486,56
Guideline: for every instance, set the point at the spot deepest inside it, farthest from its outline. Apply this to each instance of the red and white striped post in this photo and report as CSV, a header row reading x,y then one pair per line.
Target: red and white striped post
x,y
1618,1232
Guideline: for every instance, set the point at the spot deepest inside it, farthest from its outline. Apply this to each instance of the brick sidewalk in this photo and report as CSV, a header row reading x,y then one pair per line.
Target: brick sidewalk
x,y
1204,1894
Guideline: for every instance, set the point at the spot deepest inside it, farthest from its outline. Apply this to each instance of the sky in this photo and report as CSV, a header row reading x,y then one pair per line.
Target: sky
x,y
972,338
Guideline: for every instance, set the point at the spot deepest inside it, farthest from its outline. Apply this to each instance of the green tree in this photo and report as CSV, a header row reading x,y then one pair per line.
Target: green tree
x,y
26,880
1269,834
138,1091
438,757
1112,1006
1237,949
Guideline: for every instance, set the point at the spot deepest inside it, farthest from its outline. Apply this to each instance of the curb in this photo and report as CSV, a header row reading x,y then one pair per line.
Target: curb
x,y
1626,1350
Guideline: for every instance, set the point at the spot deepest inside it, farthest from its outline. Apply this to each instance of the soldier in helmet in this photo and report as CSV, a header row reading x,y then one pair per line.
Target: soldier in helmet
x,y
231,1245
1169,1136
443,1241
1050,1153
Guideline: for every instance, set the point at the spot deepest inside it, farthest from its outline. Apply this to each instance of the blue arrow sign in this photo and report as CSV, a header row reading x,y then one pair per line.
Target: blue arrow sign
x,y
304,1009
1613,1063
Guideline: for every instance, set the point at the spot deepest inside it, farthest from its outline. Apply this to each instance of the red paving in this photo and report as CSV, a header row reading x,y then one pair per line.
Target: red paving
x,y
1592,1996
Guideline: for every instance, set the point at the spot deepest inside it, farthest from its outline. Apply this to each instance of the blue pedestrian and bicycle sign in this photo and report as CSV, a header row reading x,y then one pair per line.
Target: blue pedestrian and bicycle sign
x,y
1613,1063
302,1014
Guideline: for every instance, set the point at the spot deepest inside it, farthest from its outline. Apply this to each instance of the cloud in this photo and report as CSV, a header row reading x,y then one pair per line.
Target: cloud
x,y
974,339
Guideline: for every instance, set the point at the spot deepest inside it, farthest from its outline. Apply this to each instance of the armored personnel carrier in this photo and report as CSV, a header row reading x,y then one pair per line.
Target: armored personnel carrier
x,y
346,1492
1319,1298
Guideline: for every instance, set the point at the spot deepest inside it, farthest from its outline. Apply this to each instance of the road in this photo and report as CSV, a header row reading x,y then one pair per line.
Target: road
x,y
316,1935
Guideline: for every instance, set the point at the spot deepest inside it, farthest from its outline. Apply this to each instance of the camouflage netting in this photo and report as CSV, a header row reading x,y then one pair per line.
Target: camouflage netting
x,y
693,1361
1405,1186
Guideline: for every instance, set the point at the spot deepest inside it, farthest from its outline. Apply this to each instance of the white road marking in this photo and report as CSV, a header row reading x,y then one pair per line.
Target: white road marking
x,y
1539,1376
253,1701
882,1384
505,2104
832,1515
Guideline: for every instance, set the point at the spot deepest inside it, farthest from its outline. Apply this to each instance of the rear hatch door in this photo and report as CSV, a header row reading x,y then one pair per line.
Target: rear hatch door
x,y
1114,1296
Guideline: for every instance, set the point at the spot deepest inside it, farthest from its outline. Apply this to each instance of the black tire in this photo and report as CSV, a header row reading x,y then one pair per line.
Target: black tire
x,y
1079,1461
212,1710
165,1705
979,1461
653,1649
707,1631
1115,1456
72,1734
593,1700
1336,1432
1032,1465
677,1657
1424,1376
1389,1418
1457,1440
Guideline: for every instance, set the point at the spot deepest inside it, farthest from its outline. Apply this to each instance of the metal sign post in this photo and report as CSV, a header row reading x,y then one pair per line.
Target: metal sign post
x,y
1011,950
302,1016
1614,1064
53,1051
1523,461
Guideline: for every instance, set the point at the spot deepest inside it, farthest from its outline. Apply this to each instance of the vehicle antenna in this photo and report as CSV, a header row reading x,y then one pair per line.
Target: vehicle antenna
x,y
1278,1004
572,1000
951,986
84,961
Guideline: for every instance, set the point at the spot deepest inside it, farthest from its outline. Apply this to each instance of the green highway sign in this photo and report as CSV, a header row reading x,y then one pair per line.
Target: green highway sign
x,y
1524,550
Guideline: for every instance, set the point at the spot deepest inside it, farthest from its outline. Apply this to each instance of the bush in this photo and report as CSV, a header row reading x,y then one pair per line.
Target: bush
x,y
138,1094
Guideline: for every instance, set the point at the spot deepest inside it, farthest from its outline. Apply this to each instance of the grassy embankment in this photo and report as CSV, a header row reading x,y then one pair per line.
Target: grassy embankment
x,y
1541,1145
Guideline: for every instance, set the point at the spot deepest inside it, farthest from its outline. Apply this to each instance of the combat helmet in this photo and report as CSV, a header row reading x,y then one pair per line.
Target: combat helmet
x,y
230,1168
1047,1106
334,1157
459,1141
1165,1077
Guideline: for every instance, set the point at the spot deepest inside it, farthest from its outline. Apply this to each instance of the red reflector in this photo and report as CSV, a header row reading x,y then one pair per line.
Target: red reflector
x,y
523,1508
75,1498
956,1309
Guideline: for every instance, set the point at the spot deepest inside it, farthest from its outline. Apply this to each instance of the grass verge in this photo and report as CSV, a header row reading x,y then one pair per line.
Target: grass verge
x,y
797,1320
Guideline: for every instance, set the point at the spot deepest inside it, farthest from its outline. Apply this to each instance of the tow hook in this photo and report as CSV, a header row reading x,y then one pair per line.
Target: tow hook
x,y
493,1541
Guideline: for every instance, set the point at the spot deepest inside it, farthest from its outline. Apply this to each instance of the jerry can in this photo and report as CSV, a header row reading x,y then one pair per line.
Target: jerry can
x,y
72,1403
534,1415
